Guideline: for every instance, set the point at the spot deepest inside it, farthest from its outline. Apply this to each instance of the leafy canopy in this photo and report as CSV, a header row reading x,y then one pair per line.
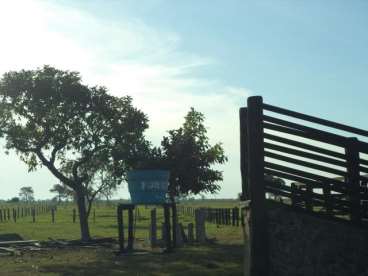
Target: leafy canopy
x,y
78,132
189,156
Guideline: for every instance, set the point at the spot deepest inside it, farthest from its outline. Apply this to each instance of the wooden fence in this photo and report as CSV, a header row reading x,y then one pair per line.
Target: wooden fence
x,y
17,212
303,161
219,216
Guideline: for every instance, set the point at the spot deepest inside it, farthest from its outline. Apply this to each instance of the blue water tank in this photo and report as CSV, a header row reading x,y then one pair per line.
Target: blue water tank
x,y
148,186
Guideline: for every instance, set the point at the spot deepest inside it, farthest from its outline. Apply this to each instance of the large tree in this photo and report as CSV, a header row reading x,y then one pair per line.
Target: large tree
x,y
190,157
51,119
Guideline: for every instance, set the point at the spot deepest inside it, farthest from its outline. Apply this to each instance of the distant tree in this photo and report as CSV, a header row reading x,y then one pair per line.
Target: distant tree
x,y
77,132
26,194
14,199
62,191
189,156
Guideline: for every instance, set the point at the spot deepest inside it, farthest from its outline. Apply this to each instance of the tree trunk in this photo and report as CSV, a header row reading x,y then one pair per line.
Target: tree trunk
x,y
83,216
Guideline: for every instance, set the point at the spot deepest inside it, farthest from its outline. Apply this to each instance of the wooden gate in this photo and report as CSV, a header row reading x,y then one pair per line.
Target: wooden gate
x,y
308,163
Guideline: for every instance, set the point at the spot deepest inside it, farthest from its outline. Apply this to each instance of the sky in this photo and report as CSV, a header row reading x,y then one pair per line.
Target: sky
x,y
309,56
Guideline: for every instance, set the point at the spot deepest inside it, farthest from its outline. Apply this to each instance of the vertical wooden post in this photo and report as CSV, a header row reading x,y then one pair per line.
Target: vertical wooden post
x,y
228,216
259,246
120,227
293,196
190,232
74,215
53,215
237,215
308,196
33,215
243,153
174,224
167,226
130,228
327,198
14,215
179,235
153,228
352,160
233,211
200,226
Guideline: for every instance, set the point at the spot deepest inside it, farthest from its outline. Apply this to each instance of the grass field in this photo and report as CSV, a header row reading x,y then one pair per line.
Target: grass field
x,y
223,257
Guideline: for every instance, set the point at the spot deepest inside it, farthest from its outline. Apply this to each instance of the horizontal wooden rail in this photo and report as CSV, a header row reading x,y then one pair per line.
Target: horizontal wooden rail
x,y
304,146
315,120
306,135
305,163
304,154
321,197
313,183
313,131
304,174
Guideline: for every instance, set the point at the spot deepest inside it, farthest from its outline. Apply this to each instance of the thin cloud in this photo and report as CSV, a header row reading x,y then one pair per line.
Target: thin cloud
x,y
129,58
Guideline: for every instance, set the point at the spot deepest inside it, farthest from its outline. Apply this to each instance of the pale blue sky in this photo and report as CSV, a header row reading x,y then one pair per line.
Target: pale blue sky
x,y
309,56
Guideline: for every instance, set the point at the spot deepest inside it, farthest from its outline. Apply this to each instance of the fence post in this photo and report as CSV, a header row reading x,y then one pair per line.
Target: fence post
x,y
308,195
200,226
327,197
233,211
53,215
33,215
243,153
293,195
74,215
120,227
167,227
14,215
130,228
190,232
352,180
259,246
174,224
153,228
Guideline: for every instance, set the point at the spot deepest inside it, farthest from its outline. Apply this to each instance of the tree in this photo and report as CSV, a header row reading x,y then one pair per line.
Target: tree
x,y
189,157
26,193
14,199
77,132
62,191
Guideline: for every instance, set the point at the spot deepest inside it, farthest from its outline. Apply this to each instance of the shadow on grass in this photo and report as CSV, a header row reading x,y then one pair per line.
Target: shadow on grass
x,y
191,260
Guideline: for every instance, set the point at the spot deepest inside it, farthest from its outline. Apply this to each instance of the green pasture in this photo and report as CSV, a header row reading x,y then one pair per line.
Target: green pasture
x,y
223,256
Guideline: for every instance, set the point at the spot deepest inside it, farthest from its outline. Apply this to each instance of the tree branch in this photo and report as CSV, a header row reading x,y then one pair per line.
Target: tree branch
x,y
54,152
54,170
82,161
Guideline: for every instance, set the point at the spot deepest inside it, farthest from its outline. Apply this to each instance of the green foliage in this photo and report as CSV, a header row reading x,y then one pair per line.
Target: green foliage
x,y
63,192
26,193
14,199
78,132
189,157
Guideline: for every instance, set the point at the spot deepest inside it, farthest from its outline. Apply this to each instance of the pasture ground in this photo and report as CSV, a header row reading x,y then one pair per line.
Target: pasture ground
x,y
222,257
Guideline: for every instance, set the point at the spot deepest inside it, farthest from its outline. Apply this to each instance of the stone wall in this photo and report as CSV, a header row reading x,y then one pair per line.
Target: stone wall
x,y
302,244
